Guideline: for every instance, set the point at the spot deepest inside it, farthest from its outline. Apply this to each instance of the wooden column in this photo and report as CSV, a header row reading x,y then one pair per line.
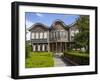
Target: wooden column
x,y
49,47
65,46
61,46
36,47
42,47
56,47
53,47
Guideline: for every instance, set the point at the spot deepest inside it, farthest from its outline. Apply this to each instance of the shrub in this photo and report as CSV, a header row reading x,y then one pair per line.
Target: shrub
x,y
28,50
81,58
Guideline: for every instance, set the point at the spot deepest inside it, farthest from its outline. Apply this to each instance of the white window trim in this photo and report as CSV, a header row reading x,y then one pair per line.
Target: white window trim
x,y
33,35
45,34
41,35
37,35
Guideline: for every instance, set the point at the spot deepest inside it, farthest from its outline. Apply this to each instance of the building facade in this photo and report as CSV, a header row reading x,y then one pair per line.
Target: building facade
x,y
56,38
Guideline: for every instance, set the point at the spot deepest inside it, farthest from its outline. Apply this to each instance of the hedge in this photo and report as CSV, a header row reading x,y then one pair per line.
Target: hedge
x,y
77,57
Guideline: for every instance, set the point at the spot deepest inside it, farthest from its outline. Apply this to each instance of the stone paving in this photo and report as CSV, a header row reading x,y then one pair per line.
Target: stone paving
x,y
58,61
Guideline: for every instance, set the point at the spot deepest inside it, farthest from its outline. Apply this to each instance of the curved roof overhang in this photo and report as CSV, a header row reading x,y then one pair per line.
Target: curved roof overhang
x,y
40,25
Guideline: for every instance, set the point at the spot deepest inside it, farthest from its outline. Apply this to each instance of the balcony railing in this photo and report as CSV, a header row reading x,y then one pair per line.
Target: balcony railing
x,y
59,39
39,40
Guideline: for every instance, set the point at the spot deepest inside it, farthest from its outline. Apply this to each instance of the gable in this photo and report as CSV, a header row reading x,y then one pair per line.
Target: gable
x,y
38,27
58,25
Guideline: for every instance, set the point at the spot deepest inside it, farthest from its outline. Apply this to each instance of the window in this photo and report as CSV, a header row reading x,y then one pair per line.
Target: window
x,y
53,34
37,35
33,35
65,34
41,35
45,34
61,34
58,34
50,35
72,33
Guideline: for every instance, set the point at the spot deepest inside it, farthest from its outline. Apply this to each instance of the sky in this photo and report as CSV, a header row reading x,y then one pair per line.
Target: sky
x,y
48,18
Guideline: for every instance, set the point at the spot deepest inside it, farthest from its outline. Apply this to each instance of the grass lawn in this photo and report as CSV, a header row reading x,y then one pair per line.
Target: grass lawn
x,y
39,59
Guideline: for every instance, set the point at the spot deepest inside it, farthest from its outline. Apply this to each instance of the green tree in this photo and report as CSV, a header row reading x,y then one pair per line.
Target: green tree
x,y
82,38
28,49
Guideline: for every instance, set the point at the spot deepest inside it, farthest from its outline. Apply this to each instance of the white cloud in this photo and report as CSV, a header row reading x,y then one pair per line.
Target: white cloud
x,y
28,35
29,24
40,15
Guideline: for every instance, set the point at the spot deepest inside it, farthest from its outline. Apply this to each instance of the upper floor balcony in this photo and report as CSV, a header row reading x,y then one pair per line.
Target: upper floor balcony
x,y
59,36
39,41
